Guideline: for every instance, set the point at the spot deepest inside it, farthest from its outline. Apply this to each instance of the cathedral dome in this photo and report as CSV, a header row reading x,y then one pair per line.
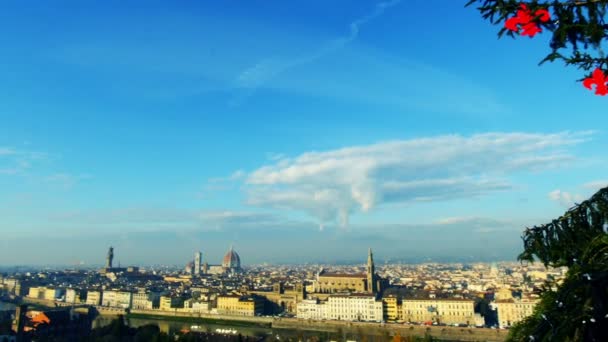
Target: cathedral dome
x,y
231,259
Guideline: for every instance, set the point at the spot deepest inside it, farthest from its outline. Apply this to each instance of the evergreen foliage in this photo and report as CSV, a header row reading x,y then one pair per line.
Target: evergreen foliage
x,y
577,309
578,27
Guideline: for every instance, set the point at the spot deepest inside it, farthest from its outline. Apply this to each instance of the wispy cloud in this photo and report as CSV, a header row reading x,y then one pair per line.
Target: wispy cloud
x,y
566,199
331,185
66,180
15,161
260,238
269,68
148,219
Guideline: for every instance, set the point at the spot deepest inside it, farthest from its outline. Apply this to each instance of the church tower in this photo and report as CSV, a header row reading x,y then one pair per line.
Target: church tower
x,y
110,257
371,274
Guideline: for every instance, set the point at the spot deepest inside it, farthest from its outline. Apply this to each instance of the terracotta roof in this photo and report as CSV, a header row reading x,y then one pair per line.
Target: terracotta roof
x,y
231,259
343,275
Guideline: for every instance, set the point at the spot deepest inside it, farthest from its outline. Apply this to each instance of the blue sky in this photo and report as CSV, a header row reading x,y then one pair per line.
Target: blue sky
x,y
295,130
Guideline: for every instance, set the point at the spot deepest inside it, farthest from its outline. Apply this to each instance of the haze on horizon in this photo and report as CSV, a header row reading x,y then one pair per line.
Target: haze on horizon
x,y
162,128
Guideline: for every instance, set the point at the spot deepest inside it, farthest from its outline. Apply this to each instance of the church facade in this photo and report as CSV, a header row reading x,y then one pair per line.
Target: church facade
x,y
368,282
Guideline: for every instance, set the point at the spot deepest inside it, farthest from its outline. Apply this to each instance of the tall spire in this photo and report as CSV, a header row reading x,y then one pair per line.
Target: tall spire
x,y
371,273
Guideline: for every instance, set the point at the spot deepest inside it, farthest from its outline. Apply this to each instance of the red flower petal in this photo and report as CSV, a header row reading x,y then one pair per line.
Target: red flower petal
x,y
598,76
600,80
543,14
511,24
588,83
530,29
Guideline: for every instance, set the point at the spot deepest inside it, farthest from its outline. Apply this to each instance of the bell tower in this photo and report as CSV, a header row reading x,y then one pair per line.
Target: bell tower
x,y
371,273
110,257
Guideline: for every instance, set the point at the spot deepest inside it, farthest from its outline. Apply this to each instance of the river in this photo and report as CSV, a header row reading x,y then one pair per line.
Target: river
x,y
171,327
6,306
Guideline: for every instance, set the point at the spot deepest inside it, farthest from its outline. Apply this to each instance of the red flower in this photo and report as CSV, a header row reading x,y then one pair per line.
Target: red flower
x,y
526,21
530,29
600,80
543,15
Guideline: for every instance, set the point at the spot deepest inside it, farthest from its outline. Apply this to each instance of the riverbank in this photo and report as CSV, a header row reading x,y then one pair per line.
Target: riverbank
x,y
366,328
204,320
294,324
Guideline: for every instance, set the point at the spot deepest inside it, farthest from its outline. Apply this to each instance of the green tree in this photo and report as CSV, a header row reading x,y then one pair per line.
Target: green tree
x,y
578,28
577,309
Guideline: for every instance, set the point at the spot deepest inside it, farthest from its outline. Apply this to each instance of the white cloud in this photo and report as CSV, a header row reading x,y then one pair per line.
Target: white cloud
x,y
148,219
333,184
596,185
565,198
14,161
480,224
5,151
66,180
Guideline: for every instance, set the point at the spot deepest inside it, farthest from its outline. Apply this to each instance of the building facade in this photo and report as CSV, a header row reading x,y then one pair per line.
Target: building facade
x,y
368,282
284,299
392,308
198,256
93,297
118,299
446,311
347,307
235,305
146,300
511,311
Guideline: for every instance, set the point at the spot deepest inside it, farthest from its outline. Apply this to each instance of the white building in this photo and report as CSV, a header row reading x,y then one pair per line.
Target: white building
x,y
311,309
348,307
143,300
119,299
201,306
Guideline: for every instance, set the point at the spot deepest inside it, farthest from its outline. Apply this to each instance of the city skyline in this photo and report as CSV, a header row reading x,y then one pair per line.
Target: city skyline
x,y
166,129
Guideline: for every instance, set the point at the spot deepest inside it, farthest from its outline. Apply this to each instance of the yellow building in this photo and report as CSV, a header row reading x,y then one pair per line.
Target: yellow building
x,y
284,299
168,303
391,308
335,282
512,311
34,292
240,305
186,279
503,294
93,297
46,293
447,311
51,293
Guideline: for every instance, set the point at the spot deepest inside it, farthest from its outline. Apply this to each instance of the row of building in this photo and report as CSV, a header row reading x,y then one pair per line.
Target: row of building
x,y
366,307
346,306
353,293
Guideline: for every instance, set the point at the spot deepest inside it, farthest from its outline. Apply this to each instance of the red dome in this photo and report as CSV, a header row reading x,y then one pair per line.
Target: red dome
x,y
231,259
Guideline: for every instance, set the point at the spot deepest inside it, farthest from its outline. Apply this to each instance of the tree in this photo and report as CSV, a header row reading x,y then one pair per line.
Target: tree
x,y
577,309
578,31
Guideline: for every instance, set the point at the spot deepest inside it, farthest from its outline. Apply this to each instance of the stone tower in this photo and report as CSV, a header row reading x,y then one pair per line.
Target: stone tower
x,y
371,273
198,256
110,257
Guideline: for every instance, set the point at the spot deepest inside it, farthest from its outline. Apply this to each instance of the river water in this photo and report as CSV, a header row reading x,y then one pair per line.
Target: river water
x,y
6,306
172,327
